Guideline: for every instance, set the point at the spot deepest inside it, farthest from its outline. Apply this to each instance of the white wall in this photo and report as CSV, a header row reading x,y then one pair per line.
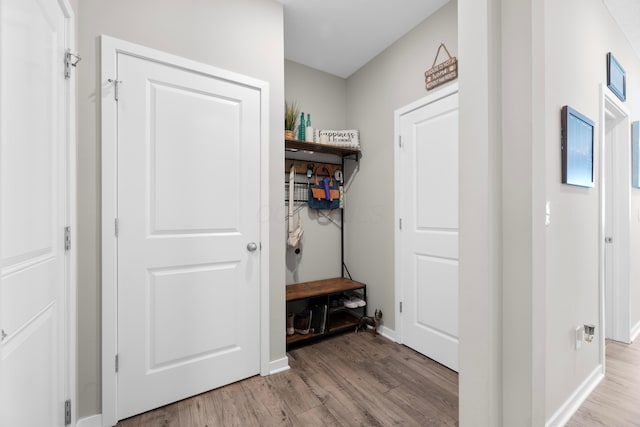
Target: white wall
x,y
480,385
244,36
324,96
575,66
551,54
391,80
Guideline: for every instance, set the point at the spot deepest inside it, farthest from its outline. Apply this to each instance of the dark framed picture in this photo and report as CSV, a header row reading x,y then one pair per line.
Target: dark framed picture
x,y
616,77
577,148
635,154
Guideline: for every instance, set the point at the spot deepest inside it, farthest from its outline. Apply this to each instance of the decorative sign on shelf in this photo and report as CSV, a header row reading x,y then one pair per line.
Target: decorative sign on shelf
x,y
339,138
443,72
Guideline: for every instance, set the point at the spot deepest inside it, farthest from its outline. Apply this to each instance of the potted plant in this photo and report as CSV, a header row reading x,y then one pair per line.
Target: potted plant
x,y
291,112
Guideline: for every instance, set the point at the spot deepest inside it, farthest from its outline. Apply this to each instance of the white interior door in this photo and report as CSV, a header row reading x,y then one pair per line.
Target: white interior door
x,y
188,173
34,199
616,209
609,248
427,264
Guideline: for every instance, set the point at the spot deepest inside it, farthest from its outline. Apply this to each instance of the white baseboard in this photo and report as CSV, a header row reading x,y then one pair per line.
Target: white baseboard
x,y
566,411
389,334
277,366
635,331
92,421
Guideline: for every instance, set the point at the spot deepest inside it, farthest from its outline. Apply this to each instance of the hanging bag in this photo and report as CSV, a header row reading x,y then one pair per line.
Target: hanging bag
x,y
324,194
295,231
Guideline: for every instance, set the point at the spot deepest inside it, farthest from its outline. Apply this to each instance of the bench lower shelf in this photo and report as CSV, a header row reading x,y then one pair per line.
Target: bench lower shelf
x,y
329,291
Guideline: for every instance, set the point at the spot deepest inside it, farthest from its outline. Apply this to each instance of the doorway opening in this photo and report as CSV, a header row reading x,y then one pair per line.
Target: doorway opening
x,y
614,220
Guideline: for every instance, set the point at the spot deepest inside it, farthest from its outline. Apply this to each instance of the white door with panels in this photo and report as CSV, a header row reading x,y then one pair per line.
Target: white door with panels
x,y
35,210
188,230
427,236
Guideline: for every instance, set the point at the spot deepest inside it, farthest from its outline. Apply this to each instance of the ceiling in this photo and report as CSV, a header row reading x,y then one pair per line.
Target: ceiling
x,y
627,14
340,36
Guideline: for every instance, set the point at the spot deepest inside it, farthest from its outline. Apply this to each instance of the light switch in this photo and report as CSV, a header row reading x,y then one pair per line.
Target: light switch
x,y
547,213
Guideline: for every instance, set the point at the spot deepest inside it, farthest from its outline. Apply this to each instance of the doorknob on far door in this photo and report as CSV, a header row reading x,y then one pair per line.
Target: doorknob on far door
x,y
251,247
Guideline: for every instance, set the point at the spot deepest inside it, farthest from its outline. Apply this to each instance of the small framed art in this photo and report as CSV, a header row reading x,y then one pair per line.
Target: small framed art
x,y
616,77
635,154
577,148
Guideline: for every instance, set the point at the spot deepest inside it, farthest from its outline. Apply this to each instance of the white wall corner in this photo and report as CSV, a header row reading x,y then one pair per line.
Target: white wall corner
x,y
278,365
92,421
635,331
566,411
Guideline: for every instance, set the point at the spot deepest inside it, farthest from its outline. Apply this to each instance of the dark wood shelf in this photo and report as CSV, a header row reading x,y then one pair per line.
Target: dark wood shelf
x,y
291,339
341,321
325,292
296,145
315,288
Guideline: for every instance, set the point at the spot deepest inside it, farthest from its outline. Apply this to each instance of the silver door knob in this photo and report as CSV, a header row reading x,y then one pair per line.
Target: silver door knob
x,y
251,247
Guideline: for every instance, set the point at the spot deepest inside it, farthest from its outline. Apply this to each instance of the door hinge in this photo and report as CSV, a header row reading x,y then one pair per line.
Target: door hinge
x,y
400,223
400,141
116,86
67,239
67,412
116,224
70,60
117,363
400,306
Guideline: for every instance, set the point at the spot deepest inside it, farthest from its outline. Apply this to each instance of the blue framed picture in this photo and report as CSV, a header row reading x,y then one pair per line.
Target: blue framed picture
x,y
577,148
616,77
635,154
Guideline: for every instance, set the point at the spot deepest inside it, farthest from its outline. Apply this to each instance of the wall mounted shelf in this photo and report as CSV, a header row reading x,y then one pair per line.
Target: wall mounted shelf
x,y
295,145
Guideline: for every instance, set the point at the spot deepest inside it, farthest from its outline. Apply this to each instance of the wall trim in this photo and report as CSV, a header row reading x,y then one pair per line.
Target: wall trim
x,y
92,421
277,366
571,405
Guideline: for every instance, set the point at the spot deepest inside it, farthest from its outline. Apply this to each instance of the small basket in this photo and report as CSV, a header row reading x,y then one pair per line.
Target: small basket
x,y
443,72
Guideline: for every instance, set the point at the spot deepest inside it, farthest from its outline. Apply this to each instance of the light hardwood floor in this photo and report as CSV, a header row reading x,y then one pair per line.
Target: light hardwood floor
x,y
347,380
616,400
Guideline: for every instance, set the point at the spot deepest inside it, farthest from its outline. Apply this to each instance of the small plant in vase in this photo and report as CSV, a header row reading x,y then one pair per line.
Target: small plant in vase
x,y
291,112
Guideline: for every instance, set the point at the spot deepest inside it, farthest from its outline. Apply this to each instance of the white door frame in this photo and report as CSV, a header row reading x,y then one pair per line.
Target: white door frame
x,y
611,106
110,47
398,191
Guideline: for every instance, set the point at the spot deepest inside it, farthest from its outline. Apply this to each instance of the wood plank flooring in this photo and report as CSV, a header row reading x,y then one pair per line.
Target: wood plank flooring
x,y
616,400
347,380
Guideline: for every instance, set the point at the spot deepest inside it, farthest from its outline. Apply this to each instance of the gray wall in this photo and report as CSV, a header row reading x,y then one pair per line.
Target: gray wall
x,y
391,80
324,96
575,67
244,36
